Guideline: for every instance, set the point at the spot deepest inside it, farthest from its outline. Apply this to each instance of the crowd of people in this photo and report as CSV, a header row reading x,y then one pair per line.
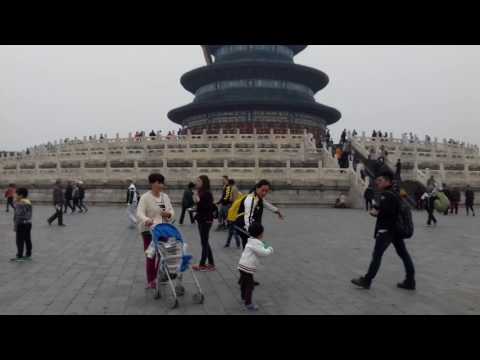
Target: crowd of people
x,y
240,216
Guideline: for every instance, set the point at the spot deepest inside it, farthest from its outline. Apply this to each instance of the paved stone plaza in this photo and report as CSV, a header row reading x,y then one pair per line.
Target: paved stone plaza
x,y
96,266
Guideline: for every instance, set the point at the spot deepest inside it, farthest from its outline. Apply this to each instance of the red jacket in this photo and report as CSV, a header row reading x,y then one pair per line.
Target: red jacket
x,y
10,193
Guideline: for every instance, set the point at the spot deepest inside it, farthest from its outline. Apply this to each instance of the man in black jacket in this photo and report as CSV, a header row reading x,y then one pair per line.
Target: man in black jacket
x,y
69,198
387,212
188,203
469,200
58,202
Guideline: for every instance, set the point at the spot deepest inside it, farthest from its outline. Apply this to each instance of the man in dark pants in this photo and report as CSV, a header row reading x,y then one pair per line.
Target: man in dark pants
x,y
430,198
469,200
23,225
454,201
69,198
386,213
58,202
187,204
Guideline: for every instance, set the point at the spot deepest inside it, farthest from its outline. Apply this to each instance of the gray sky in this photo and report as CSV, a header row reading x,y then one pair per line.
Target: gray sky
x,y
52,92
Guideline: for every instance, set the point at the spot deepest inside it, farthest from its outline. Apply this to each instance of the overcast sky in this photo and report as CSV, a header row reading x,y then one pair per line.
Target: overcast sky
x,y
52,92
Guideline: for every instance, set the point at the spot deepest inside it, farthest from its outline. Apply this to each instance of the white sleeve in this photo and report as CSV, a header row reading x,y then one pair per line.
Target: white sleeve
x,y
169,207
249,207
270,206
260,250
141,210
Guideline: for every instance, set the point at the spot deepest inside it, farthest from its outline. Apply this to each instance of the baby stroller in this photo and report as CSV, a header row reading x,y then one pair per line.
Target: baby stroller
x,y
173,262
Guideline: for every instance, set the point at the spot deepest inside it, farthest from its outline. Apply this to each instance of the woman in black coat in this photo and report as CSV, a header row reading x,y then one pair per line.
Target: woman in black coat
x,y
204,217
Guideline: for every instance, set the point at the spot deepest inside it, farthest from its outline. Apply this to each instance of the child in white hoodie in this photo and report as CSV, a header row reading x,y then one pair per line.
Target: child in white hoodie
x,y
249,262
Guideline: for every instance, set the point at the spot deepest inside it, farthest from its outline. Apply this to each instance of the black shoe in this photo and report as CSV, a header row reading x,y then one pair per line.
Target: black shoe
x,y
49,223
407,285
62,225
226,246
256,283
362,282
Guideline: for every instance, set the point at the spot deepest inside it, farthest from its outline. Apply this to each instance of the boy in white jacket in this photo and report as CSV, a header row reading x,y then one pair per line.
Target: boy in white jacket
x,y
249,262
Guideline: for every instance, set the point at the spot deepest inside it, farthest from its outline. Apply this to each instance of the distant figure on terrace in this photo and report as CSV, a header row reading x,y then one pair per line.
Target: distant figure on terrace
x,y
152,134
343,137
374,134
354,133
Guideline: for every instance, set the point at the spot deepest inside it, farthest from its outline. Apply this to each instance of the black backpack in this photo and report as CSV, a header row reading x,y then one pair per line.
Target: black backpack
x,y
404,227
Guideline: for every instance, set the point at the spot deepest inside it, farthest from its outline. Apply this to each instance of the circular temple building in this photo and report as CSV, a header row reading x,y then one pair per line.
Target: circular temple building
x,y
255,88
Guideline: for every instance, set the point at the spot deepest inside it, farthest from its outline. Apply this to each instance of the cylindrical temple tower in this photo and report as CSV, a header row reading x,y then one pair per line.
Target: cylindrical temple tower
x,y
255,87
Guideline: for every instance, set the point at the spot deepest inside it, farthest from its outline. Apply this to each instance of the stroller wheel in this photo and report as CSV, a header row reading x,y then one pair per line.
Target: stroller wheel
x,y
173,303
180,290
198,298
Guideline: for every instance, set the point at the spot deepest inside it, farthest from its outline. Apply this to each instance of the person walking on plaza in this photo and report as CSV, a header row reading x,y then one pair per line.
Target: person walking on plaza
x,y
387,212
81,197
153,208
454,201
10,196
469,200
448,194
225,204
69,198
188,203
369,195
132,203
58,202
204,217
251,209
23,225
398,170
232,232
429,197
249,263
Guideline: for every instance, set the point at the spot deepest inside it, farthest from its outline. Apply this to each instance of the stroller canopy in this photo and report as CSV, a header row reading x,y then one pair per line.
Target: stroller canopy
x,y
163,232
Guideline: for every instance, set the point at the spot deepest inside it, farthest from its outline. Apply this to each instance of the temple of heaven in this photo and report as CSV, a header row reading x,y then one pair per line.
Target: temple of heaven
x,y
254,87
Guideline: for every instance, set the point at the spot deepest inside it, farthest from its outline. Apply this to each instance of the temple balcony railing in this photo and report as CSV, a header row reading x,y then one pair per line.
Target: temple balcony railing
x,y
131,146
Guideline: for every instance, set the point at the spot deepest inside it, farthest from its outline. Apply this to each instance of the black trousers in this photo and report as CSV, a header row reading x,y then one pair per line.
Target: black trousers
x,y
182,217
57,215
431,216
204,230
470,207
382,242
454,207
368,204
244,238
81,205
247,285
10,203
68,204
24,239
